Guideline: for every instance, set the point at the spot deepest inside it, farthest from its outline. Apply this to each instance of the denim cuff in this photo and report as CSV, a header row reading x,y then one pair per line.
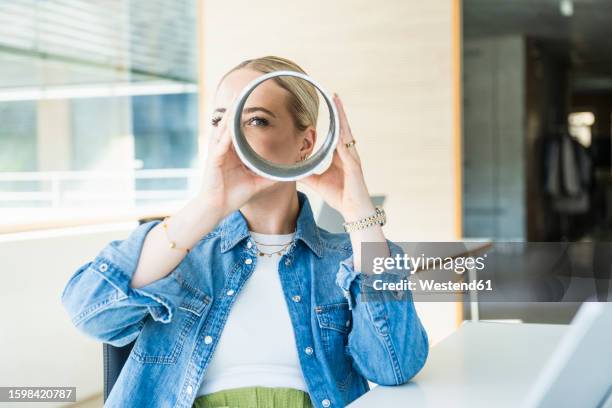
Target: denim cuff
x,y
347,274
117,262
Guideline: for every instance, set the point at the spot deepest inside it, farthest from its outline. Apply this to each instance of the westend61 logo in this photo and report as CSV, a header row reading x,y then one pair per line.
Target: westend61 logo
x,y
456,266
491,271
405,262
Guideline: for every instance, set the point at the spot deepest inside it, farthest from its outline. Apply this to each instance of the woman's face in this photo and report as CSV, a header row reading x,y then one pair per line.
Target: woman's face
x,y
266,121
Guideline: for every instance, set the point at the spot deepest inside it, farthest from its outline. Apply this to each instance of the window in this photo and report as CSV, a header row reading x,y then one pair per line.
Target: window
x,y
98,105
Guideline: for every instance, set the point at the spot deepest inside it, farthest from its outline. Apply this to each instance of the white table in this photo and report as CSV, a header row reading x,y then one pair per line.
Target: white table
x,y
482,364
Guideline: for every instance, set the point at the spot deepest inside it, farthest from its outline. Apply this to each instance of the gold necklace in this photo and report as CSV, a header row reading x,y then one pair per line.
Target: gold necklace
x,y
269,255
262,244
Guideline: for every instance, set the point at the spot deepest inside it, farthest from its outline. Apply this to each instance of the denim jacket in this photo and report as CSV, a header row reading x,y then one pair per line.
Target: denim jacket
x,y
177,320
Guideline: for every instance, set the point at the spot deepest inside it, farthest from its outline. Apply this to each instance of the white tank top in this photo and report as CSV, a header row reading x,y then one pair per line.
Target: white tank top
x,y
257,346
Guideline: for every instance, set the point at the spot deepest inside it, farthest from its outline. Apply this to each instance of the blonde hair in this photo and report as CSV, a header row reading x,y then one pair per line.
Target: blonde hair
x,y
303,102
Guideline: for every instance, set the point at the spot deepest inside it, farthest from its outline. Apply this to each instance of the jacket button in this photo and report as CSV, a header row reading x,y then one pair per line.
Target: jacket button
x,y
308,350
189,389
325,403
103,267
248,261
230,292
249,244
207,339
297,298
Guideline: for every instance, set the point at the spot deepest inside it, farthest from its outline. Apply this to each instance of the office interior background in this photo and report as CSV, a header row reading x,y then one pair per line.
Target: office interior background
x,y
460,109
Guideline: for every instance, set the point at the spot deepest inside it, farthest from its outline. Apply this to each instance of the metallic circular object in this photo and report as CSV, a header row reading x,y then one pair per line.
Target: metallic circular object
x,y
315,164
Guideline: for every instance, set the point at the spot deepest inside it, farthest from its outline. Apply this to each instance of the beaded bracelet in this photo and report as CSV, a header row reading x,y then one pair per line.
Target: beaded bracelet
x,y
379,217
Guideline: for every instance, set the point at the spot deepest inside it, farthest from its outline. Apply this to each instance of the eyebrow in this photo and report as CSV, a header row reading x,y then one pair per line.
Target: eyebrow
x,y
258,108
249,110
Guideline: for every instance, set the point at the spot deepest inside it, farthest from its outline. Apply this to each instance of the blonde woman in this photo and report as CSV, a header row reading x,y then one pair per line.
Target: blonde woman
x,y
239,299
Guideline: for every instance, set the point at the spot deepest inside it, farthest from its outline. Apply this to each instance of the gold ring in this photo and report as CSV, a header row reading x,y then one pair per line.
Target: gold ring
x,y
350,144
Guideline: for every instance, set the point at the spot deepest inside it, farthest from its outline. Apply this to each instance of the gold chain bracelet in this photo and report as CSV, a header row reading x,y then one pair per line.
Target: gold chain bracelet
x,y
171,243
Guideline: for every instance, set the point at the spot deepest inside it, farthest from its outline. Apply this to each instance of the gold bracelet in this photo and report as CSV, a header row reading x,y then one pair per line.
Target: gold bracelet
x,y
379,217
171,243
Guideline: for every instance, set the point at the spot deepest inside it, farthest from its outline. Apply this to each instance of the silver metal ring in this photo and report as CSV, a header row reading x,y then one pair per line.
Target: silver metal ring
x,y
317,163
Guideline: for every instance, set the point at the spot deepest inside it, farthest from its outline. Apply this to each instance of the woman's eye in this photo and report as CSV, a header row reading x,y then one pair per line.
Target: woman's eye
x,y
257,121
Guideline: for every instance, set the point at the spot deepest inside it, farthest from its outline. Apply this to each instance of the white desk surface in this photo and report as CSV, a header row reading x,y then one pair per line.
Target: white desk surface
x,y
480,365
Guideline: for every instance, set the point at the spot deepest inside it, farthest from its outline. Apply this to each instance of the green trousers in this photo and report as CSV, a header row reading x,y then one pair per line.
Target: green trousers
x,y
254,397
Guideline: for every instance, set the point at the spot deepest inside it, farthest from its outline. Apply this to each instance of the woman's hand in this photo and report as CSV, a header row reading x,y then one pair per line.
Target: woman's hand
x,y
343,186
227,182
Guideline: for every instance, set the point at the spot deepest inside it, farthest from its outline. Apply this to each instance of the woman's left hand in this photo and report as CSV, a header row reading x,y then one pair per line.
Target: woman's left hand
x,y
343,185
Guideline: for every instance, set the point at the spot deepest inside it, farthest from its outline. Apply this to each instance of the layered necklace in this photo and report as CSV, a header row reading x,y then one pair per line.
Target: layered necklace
x,y
270,254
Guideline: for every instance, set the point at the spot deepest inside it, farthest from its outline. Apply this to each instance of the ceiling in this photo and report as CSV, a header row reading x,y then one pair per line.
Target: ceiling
x,y
584,38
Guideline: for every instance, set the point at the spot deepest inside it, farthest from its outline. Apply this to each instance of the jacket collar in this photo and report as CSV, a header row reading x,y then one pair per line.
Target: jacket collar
x,y
234,228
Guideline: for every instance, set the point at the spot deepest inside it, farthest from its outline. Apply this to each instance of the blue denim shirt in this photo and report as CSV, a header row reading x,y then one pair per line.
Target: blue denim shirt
x,y
177,320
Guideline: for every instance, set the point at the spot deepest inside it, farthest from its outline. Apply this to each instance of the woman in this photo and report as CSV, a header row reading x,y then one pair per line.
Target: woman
x,y
239,299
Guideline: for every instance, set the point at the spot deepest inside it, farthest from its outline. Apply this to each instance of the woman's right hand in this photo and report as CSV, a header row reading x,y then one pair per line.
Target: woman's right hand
x,y
227,183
